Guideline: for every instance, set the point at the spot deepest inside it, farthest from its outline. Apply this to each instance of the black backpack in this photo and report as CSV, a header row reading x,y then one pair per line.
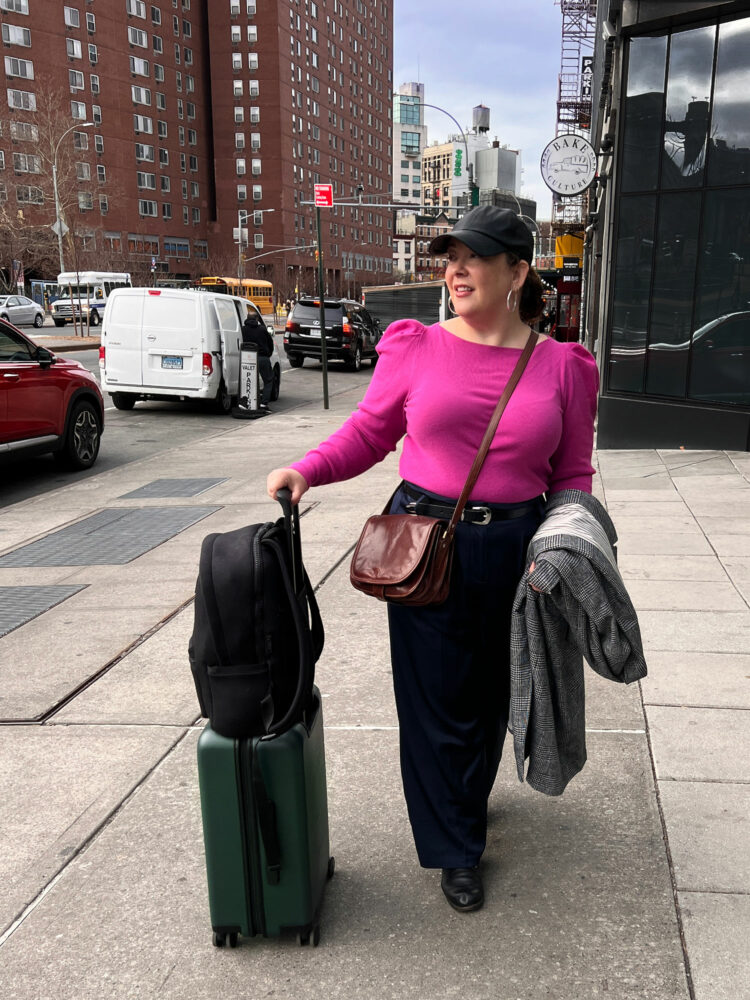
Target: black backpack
x,y
257,632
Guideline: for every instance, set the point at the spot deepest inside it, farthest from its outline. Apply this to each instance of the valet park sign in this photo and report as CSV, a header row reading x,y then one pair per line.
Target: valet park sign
x,y
568,165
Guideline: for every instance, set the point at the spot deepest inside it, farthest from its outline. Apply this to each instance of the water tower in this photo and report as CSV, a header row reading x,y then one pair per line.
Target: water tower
x,y
480,118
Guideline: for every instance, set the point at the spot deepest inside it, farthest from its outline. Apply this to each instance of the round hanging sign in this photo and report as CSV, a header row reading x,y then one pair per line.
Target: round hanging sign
x,y
568,165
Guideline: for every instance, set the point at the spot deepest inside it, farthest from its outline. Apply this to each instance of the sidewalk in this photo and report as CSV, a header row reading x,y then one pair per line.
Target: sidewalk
x,y
604,892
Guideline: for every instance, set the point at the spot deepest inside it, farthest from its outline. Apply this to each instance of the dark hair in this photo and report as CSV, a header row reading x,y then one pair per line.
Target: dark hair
x,y
531,304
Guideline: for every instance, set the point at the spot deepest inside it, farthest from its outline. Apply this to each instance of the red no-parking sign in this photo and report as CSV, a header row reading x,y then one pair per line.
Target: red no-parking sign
x,y
324,195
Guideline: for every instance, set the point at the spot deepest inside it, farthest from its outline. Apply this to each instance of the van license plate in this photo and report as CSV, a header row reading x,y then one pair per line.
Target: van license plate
x,y
171,362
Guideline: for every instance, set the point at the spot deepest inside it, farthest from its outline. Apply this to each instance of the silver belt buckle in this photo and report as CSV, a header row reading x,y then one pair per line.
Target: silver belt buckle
x,y
484,511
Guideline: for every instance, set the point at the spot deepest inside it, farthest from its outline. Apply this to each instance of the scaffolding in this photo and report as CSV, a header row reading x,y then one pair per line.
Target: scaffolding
x,y
574,96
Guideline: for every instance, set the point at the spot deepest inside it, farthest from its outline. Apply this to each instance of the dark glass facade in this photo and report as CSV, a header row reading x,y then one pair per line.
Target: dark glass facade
x,y
680,295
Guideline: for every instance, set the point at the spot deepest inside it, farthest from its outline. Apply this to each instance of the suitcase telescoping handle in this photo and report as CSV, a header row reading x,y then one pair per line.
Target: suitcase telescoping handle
x,y
291,525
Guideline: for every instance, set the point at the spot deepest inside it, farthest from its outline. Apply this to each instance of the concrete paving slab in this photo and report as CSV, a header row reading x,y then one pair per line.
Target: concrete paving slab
x,y
710,464
708,826
643,520
657,485
152,685
728,546
57,786
709,680
635,508
719,632
719,525
642,566
717,929
583,877
738,506
739,572
64,650
685,595
684,543
700,744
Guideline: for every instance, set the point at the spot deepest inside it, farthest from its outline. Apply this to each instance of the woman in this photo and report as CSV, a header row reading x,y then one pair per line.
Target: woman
x,y
438,386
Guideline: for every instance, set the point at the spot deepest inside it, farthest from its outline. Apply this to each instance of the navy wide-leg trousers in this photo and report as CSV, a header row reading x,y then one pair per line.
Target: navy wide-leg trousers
x,y
451,677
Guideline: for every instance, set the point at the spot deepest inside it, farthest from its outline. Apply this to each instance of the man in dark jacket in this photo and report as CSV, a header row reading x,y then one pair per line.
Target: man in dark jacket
x,y
254,332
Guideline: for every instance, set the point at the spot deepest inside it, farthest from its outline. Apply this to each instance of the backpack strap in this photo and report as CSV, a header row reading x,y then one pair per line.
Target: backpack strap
x,y
206,579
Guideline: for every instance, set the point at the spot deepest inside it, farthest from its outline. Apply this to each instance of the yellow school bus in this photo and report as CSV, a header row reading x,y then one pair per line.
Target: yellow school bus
x,y
257,291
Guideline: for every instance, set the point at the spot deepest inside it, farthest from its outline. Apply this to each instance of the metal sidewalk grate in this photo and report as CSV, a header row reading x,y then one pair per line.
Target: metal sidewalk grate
x,y
19,605
173,488
109,537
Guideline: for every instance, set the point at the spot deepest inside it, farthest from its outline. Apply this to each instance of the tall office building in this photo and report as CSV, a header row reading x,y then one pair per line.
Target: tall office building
x,y
186,114
409,139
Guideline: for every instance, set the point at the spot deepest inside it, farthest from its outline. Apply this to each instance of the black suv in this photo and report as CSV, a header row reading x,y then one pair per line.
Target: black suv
x,y
351,332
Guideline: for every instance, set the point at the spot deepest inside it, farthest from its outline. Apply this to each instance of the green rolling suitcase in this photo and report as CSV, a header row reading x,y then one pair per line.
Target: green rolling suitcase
x,y
265,828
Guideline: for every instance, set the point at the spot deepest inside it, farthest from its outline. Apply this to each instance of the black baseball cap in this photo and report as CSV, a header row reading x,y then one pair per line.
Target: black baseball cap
x,y
489,230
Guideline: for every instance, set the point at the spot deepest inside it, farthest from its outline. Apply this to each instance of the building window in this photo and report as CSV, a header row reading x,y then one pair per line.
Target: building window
x,y
257,192
166,184
185,215
140,95
256,167
155,15
147,208
93,54
253,88
158,73
200,249
157,44
75,79
193,164
99,143
139,67
192,137
101,173
15,6
162,129
144,153
143,124
146,182
72,17
236,34
239,115
241,192
85,201
238,88
26,195
78,110
195,189
73,48
254,115
258,241
166,210
24,132
255,140
13,35
96,114
103,204
239,140
680,288
94,83
252,61
164,157
83,171
26,163
240,166
136,8
196,213
161,102
136,36
410,143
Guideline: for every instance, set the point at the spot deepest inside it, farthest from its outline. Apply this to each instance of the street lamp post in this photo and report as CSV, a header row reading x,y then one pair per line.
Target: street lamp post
x,y
244,213
469,165
59,222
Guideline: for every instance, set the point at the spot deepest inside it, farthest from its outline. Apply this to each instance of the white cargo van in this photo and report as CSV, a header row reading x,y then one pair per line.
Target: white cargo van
x,y
168,343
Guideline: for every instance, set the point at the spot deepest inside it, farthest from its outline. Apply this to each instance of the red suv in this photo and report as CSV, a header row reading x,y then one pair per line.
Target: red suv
x,y
47,403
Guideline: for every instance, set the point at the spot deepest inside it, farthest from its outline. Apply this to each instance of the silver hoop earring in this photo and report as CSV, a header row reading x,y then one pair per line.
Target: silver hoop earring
x,y
451,310
514,293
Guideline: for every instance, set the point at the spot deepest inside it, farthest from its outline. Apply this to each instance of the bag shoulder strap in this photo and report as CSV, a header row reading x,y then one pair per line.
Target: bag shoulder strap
x,y
489,434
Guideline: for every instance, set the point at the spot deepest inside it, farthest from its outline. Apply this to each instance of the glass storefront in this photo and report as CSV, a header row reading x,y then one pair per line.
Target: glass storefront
x,y
680,316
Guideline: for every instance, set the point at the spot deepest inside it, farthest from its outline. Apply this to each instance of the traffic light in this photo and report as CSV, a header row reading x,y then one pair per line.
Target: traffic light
x,y
317,256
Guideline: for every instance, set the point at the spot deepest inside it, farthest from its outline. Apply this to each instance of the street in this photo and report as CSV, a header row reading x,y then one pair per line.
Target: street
x,y
153,427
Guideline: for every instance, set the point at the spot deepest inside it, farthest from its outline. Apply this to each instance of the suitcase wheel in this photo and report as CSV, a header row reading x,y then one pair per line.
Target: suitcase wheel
x,y
220,939
311,936
331,867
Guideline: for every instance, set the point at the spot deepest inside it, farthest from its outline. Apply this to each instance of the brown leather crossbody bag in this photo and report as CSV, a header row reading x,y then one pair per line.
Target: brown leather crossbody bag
x,y
407,558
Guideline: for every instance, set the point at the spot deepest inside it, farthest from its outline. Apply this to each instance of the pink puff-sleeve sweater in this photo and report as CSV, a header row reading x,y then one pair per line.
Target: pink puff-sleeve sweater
x,y
440,391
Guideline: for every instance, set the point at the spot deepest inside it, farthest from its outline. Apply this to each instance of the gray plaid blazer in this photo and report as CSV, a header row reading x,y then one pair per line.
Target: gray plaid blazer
x,y
584,611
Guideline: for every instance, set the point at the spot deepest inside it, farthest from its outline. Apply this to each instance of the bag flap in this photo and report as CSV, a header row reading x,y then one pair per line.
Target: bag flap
x,y
391,547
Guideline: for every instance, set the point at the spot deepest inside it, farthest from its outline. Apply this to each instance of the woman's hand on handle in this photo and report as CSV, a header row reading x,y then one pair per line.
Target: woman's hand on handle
x,y
293,480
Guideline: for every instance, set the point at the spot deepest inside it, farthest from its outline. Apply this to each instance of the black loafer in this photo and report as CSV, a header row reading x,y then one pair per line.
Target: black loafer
x,y
463,888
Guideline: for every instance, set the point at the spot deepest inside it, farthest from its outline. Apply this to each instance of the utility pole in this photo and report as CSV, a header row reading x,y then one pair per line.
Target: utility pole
x,y
321,295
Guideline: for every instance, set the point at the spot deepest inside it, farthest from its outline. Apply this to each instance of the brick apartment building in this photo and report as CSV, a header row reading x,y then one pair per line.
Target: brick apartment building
x,y
200,111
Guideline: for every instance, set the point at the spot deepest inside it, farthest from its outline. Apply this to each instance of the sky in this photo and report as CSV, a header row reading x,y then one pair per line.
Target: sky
x,y
503,54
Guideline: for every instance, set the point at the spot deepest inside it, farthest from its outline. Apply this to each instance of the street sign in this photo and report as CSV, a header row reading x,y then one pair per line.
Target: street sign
x,y
324,195
59,228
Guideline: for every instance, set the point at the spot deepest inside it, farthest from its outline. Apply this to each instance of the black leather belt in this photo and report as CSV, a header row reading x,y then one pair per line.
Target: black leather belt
x,y
471,515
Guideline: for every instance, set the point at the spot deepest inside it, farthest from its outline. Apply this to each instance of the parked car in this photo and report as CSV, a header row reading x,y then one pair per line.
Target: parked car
x,y
351,332
20,310
173,344
47,404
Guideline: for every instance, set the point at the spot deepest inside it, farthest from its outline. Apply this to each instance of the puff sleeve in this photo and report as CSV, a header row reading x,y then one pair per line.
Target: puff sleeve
x,y
571,461
379,422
